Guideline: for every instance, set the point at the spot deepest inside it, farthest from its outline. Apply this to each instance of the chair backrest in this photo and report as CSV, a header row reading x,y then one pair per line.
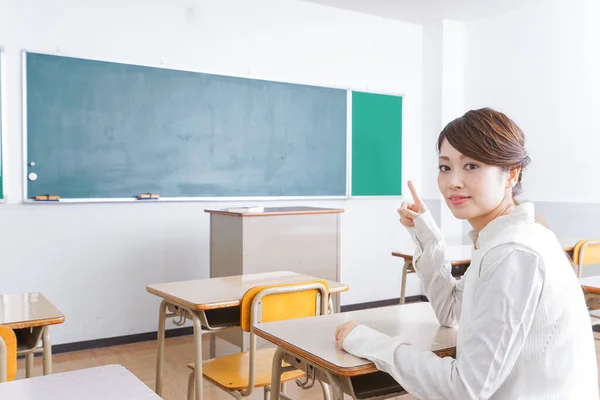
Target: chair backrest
x,y
270,303
281,302
8,354
586,252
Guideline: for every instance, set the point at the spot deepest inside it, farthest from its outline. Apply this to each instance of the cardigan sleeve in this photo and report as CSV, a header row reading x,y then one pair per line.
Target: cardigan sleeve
x,y
443,291
503,309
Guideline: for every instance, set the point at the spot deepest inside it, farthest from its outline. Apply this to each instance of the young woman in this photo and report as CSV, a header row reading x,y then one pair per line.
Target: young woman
x,y
524,331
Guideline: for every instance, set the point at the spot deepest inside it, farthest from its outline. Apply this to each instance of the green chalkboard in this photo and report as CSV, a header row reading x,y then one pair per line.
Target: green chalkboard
x,y
99,129
376,144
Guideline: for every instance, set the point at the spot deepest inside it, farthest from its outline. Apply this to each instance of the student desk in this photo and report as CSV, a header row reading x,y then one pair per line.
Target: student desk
x,y
591,289
460,259
112,382
308,344
30,316
591,284
212,305
459,256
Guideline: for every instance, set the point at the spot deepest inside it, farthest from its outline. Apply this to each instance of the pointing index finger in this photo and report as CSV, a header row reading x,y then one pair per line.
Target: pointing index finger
x,y
414,193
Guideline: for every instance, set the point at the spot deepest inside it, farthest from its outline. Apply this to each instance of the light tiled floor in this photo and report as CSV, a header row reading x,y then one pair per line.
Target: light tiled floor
x,y
140,359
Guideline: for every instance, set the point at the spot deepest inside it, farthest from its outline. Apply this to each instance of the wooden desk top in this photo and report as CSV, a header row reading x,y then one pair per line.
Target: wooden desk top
x,y
270,211
591,284
112,382
458,255
461,255
28,310
212,293
314,338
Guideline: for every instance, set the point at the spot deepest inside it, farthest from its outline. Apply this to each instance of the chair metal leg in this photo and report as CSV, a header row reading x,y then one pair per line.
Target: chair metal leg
x,y
190,392
276,374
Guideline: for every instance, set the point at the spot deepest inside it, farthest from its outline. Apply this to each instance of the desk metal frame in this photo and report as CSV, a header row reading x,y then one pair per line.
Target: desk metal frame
x,y
27,342
340,384
201,326
213,318
33,329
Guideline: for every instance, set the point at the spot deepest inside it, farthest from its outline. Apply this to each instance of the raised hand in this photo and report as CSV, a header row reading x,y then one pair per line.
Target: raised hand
x,y
409,211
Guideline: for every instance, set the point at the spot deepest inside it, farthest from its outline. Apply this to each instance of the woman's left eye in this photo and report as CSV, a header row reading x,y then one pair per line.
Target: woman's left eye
x,y
471,166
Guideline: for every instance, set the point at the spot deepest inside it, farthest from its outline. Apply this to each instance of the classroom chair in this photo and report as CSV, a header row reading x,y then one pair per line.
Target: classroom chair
x,y
586,252
239,374
8,354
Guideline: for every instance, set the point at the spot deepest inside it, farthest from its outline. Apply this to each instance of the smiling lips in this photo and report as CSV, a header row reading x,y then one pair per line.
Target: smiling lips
x,y
456,200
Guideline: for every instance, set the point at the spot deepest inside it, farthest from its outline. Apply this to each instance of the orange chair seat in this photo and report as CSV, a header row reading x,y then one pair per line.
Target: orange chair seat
x,y
232,372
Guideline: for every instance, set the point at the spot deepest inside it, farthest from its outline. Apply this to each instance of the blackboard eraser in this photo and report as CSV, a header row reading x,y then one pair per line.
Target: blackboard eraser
x,y
148,196
46,197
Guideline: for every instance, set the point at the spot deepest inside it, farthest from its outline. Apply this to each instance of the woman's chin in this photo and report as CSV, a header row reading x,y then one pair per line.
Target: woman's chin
x,y
460,216
460,212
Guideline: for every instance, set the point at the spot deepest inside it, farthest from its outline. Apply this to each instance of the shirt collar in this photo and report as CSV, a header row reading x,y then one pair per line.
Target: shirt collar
x,y
522,214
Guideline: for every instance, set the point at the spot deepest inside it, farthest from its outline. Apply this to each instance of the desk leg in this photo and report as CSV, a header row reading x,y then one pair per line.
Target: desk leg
x,y
198,358
326,390
276,374
407,265
335,308
29,365
28,340
162,316
336,386
47,354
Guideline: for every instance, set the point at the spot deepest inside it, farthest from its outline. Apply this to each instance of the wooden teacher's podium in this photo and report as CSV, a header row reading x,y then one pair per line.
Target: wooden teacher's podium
x,y
305,240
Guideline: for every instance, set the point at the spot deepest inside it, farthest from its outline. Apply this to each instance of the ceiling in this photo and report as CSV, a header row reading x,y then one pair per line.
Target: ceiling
x,y
423,11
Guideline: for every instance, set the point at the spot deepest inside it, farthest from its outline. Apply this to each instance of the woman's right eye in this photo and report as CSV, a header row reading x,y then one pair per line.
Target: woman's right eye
x,y
444,168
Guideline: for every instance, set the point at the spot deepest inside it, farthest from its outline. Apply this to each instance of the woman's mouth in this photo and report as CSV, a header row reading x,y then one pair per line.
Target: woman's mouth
x,y
458,200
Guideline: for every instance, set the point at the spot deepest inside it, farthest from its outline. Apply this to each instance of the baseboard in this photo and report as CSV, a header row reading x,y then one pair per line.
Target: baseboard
x,y
382,303
115,341
148,336
119,340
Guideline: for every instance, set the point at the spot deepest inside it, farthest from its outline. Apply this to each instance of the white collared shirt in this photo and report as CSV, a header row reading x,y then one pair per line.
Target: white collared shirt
x,y
524,331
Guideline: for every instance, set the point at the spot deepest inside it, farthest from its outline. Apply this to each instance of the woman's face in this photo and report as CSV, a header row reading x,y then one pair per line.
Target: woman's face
x,y
473,190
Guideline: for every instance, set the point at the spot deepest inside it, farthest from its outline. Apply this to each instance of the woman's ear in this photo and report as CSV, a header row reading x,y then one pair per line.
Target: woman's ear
x,y
514,177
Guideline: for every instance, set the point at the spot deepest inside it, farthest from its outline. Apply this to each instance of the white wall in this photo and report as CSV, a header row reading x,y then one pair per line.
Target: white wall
x,y
433,35
453,106
541,65
94,260
444,58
